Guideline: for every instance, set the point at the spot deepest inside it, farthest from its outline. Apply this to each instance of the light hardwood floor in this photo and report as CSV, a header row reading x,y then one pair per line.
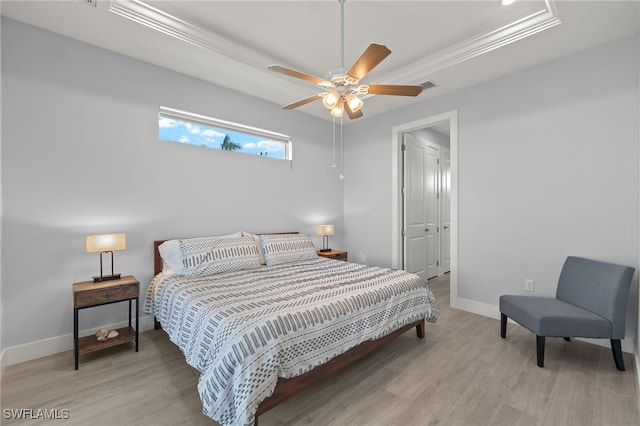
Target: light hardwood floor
x,y
462,373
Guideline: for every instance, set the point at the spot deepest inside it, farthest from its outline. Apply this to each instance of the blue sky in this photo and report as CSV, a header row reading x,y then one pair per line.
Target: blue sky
x,y
173,130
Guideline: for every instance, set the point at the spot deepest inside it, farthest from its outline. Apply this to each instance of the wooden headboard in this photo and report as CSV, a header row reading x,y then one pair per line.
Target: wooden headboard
x,y
157,260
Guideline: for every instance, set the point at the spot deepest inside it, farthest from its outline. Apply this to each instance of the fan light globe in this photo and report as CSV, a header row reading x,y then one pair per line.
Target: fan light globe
x,y
338,110
330,100
355,103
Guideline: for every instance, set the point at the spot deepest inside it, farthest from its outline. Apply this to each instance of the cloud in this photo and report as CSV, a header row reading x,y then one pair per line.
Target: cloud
x,y
194,130
270,146
249,145
184,139
167,122
212,133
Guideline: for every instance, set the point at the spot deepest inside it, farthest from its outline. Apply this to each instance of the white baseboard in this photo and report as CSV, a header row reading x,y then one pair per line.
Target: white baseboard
x,y
29,351
479,308
493,311
3,363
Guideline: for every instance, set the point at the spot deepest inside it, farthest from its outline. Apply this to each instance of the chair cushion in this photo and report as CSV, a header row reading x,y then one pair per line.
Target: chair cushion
x,y
552,317
600,287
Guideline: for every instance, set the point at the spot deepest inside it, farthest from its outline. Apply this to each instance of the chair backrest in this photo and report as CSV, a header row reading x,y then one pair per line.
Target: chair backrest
x,y
600,287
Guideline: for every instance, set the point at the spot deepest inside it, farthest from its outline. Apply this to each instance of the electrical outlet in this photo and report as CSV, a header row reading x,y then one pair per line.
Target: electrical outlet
x,y
528,285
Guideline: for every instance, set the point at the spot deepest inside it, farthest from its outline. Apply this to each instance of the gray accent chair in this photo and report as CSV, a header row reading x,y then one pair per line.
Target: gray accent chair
x,y
591,301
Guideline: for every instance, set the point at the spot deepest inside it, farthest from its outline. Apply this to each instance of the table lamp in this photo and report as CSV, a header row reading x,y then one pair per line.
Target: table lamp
x,y
325,231
105,243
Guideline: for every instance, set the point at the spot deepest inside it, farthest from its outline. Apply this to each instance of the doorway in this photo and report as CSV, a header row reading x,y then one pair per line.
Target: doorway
x,y
426,207
399,230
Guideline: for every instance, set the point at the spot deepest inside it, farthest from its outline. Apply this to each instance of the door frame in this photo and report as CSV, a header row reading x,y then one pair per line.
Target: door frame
x,y
396,192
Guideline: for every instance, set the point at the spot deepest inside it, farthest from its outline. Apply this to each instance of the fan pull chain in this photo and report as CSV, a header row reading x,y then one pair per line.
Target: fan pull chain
x,y
333,163
341,151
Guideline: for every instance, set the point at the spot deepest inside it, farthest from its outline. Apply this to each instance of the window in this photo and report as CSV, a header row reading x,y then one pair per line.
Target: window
x,y
185,127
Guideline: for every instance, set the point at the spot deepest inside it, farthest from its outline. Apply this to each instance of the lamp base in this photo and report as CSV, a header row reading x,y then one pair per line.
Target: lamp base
x,y
324,250
106,278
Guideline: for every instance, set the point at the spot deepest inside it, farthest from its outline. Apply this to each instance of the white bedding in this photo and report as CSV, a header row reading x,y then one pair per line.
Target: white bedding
x,y
244,329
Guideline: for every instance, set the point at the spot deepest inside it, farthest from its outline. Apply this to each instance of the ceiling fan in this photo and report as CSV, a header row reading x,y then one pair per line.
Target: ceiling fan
x,y
342,90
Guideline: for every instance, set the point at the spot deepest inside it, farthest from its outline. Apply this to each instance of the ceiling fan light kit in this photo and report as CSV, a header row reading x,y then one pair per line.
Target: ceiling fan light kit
x,y
342,90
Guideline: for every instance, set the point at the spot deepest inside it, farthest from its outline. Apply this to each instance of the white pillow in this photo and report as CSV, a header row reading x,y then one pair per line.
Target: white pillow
x,y
216,255
257,240
286,248
171,253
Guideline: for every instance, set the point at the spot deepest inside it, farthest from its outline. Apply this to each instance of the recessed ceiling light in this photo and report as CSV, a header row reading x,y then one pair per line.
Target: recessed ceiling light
x,y
508,2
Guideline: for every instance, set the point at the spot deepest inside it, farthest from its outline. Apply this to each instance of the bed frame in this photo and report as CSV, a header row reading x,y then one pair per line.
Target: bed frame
x,y
286,388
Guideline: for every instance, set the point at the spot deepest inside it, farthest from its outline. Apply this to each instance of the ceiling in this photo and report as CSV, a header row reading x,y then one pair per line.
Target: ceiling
x,y
454,44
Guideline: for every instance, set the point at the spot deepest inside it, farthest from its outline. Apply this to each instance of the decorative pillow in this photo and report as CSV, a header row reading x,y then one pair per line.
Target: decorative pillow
x,y
212,256
171,253
286,248
257,240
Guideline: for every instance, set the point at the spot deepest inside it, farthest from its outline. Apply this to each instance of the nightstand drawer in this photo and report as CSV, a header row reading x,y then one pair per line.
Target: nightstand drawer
x,y
106,295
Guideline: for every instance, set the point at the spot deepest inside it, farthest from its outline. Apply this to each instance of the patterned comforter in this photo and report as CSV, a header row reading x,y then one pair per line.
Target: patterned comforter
x,y
242,330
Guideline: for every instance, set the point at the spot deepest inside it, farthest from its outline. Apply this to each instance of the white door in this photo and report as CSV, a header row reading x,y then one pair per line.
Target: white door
x,y
421,182
445,215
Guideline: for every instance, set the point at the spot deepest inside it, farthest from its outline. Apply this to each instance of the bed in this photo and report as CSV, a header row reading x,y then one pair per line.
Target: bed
x,y
261,317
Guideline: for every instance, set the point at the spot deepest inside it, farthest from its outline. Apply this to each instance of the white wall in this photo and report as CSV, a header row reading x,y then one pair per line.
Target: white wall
x,y
80,155
548,167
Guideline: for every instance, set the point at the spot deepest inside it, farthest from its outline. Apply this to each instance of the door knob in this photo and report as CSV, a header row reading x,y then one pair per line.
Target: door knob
x,y
426,229
446,227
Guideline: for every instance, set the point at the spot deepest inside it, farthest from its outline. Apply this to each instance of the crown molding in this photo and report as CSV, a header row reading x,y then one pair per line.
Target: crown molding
x,y
468,49
144,14
416,72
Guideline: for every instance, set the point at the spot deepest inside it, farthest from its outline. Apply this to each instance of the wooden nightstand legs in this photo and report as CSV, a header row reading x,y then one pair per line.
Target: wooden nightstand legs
x,y
137,318
75,336
89,344
88,294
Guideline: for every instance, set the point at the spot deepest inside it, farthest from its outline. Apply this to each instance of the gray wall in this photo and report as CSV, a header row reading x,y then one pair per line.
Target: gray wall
x,y
548,167
80,155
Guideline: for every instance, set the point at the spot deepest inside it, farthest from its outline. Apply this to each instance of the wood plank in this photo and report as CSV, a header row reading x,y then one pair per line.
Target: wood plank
x,y
90,343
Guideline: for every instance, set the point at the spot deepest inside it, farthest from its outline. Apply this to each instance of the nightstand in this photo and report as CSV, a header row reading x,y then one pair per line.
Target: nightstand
x,y
87,294
334,254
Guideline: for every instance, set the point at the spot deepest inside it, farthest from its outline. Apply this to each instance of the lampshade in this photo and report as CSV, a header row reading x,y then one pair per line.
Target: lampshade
x,y
330,99
105,242
338,110
355,103
324,229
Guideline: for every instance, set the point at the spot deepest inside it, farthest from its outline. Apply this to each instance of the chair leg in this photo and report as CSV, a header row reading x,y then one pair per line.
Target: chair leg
x,y
617,354
503,325
540,350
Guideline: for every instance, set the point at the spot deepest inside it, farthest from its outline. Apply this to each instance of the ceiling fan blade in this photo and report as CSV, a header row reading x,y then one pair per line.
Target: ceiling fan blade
x,y
352,114
296,74
371,57
304,101
391,89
